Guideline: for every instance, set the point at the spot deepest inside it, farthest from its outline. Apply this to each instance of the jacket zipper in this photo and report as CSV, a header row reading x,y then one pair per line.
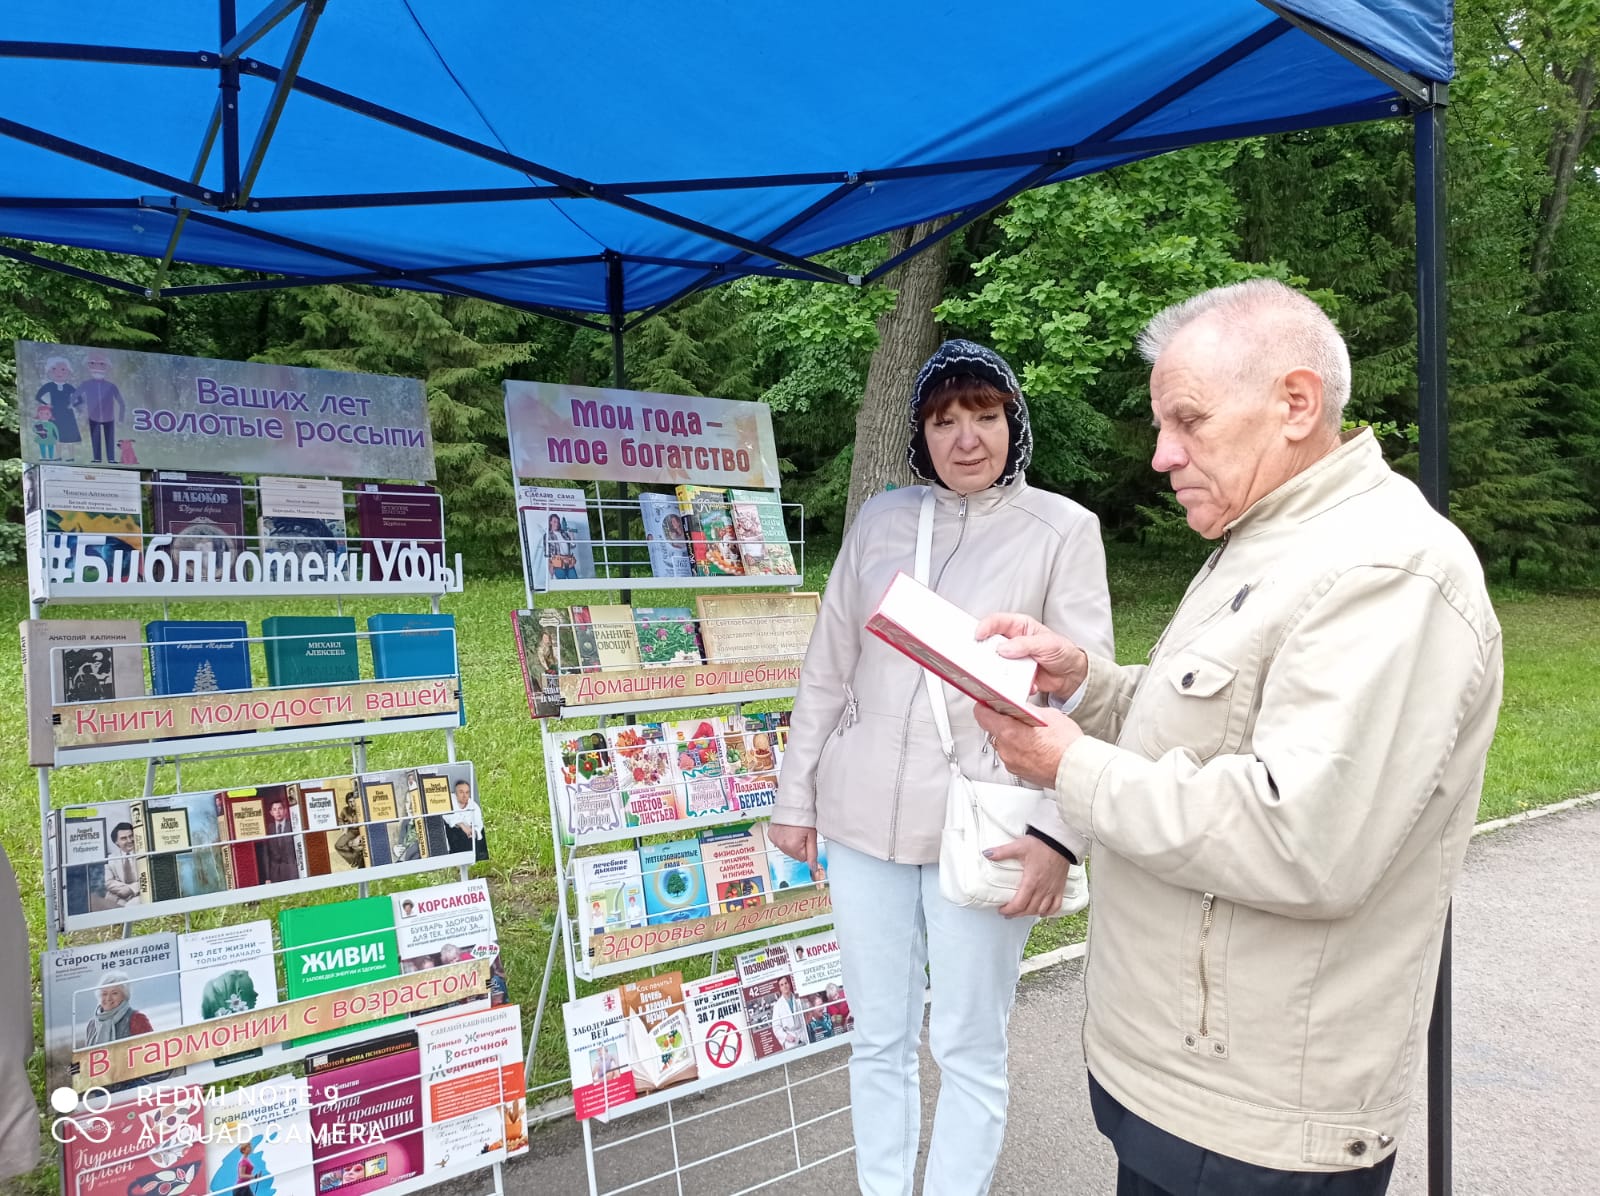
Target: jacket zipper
x,y
905,725
1205,977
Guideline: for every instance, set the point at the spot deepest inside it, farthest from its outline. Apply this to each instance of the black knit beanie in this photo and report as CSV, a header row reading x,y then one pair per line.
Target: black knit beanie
x,y
964,357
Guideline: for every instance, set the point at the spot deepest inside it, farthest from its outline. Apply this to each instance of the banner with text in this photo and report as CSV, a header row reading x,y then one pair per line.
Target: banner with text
x,y
678,681
584,432
124,410
618,945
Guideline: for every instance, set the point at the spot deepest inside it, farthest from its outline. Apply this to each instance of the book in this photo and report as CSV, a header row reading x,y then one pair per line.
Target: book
x,y
390,518
98,858
597,1053
226,971
735,860
153,1146
437,803
666,635
590,794
541,636
75,660
104,992
660,1045
242,817
771,1007
473,1105
556,543
665,537
163,838
412,645
616,638
299,518
463,822
748,744
585,642
319,825
141,849
443,924
202,512
189,656
940,636
819,985
784,872
710,528
757,626
643,760
310,649
366,1115
380,799
337,945
610,895
674,882
699,766
759,532
258,1133
347,847
93,513
753,793
279,856
721,1035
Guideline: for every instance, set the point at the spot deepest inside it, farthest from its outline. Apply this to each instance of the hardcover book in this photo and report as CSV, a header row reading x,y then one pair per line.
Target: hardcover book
x,y
190,656
145,1147
616,638
591,796
96,510
665,537
310,649
336,946
103,992
585,641
165,838
771,1007
717,1022
759,532
380,797
659,1039
242,817
366,1115
319,823
75,660
674,883
666,635
437,803
472,1090
100,867
391,517
757,626
710,528
444,924
699,765
463,822
412,645
610,895
597,1053
940,636
261,1133
202,512
347,846
541,635
226,971
278,851
556,543
300,518
735,860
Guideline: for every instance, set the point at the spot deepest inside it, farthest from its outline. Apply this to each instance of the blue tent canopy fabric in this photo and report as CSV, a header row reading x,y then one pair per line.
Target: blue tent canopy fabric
x,y
552,155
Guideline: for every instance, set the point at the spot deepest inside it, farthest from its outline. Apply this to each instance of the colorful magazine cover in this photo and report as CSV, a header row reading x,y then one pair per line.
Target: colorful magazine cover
x,y
666,538
443,924
650,791
591,796
697,755
258,1139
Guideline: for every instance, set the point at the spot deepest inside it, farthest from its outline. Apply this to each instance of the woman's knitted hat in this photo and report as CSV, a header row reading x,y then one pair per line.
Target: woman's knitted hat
x,y
964,357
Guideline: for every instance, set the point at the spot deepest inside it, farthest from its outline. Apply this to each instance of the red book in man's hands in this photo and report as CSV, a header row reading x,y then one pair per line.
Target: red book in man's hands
x,y
941,637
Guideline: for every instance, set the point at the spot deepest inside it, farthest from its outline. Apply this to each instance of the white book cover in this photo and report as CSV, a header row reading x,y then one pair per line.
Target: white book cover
x,y
103,992
226,971
99,491
443,924
556,541
321,808
302,516
597,1053
473,1090
717,1022
258,1139
610,895
819,985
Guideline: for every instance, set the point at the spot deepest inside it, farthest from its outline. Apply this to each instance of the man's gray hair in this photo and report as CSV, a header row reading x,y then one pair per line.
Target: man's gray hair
x,y
1272,328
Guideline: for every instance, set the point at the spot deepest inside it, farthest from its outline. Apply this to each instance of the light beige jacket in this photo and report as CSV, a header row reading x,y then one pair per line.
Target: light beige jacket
x,y
864,764
1280,802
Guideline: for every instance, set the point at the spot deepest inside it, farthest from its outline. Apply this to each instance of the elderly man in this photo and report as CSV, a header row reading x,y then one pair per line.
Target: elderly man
x,y
1282,796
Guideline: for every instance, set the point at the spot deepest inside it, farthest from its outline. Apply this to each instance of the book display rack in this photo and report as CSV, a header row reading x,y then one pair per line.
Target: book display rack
x,y
346,1012
695,954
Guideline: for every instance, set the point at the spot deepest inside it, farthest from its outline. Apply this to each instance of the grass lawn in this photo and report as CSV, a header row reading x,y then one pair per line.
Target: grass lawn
x,y
1548,746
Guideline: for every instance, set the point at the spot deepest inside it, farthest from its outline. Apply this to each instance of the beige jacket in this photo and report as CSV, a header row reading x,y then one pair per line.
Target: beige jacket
x,y
1280,802
864,764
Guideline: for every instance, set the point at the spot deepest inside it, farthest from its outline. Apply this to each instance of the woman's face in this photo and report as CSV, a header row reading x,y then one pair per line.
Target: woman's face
x,y
111,996
968,448
555,523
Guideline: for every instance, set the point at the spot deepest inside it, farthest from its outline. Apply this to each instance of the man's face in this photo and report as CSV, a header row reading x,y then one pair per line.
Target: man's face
x,y
278,812
97,366
463,794
1219,441
125,841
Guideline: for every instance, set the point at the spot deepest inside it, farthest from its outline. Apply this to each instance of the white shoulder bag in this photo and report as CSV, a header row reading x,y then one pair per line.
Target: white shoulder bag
x,y
980,815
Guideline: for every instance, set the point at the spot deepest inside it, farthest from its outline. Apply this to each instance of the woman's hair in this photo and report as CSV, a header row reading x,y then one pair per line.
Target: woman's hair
x,y
557,520
964,390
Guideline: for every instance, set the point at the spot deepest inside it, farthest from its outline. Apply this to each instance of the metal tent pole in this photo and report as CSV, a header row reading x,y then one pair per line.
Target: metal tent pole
x,y
1434,478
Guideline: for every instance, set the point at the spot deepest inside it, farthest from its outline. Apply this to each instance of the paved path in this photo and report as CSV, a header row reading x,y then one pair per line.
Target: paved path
x,y
1527,1054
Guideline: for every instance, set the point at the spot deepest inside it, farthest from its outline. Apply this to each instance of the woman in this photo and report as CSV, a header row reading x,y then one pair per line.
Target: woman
x,y
561,549
866,770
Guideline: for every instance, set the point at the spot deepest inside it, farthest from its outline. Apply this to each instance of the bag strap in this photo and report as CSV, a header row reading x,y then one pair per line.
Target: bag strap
x,y
941,712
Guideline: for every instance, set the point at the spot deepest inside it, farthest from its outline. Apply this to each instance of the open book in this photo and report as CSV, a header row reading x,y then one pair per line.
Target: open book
x,y
941,637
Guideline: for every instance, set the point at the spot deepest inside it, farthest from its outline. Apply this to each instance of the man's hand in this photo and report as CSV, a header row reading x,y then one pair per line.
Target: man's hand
x,y
796,842
1062,664
1044,877
1032,753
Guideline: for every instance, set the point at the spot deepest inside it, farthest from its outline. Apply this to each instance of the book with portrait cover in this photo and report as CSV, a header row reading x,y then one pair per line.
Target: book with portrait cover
x,y
260,1133
104,992
144,1147
759,532
660,1044
302,517
443,924
819,985
717,1022
665,537
610,895
347,844
392,517
98,858
226,971
190,656
770,1004
710,528
75,660
556,544
366,1115
597,1053
202,512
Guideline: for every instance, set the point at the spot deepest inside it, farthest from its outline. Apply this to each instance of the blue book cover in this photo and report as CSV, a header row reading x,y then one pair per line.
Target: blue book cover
x,y
674,881
789,873
412,646
189,656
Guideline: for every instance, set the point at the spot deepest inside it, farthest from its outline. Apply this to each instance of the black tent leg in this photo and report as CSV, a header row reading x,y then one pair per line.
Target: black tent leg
x,y
1434,478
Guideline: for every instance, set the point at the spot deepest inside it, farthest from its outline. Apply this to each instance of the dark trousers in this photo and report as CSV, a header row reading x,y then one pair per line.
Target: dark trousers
x,y
103,430
1152,1162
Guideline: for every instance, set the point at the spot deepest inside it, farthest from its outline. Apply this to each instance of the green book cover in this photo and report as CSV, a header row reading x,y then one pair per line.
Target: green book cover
x,y
310,649
335,946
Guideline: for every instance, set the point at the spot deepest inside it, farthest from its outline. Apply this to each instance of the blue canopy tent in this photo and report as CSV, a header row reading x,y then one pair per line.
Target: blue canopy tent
x,y
596,163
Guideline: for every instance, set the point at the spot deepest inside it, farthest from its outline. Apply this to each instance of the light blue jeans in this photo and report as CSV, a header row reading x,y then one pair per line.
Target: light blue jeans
x,y
892,923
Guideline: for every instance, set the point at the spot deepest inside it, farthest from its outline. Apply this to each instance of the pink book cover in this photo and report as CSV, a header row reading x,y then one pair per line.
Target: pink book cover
x,y
366,1115
139,1148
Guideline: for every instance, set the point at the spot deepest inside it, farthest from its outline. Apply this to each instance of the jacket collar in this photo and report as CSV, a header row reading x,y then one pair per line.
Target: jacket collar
x,y
1355,467
982,502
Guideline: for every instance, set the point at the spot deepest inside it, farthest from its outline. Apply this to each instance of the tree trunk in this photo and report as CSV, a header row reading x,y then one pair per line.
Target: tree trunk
x,y
907,336
1563,164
